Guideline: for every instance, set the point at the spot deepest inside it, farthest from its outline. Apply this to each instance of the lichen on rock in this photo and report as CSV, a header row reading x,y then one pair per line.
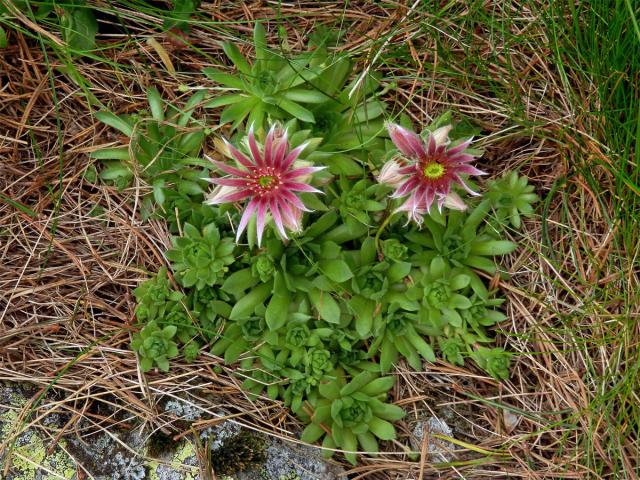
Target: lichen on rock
x,y
439,450
290,461
234,452
28,454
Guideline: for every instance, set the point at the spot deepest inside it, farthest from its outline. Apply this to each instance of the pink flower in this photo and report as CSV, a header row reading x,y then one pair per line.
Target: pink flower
x,y
268,180
431,170
390,174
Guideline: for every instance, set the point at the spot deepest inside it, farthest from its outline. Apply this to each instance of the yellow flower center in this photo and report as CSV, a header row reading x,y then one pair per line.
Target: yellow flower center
x,y
433,170
265,181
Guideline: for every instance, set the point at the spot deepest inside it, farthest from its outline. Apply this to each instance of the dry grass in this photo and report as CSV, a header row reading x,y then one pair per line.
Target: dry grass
x,y
67,269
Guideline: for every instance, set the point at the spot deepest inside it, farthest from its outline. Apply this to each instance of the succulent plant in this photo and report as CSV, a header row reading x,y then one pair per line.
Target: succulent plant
x,y
155,346
263,266
270,86
457,240
348,414
512,198
210,306
394,250
350,122
191,351
201,258
399,332
314,311
452,349
178,315
356,201
439,292
496,361
155,296
162,152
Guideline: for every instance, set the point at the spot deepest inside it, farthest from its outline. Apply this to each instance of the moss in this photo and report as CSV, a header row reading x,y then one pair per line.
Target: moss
x,y
160,444
239,453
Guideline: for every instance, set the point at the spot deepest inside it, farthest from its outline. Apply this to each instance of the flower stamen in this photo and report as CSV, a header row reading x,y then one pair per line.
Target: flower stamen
x,y
266,181
269,180
433,170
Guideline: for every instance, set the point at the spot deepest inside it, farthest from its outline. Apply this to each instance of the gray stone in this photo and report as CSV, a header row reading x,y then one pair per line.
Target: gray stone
x,y
439,450
291,461
124,454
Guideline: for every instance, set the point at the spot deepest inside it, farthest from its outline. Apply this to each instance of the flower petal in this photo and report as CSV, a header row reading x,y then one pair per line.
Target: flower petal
x,y
246,215
300,187
253,146
301,172
262,213
390,174
441,135
239,156
230,182
291,216
294,201
459,148
228,169
268,146
468,169
409,169
277,217
405,188
454,201
219,192
460,159
229,198
407,142
432,146
465,186
427,201
293,155
280,151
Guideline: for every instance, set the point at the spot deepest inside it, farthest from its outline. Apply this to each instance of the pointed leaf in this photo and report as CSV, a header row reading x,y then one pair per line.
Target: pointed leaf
x,y
386,411
350,445
378,386
233,52
368,442
382,429
424,349
296,110
115,122
330,390
481,263
163,363
305,96
327,307
246,305
238,282
337,270
359,381
312,433
363,309
493,247
155,104
230,81
111,153
234,351
398,271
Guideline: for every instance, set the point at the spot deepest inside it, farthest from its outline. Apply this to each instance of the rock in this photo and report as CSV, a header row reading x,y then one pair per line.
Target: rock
x,y
28,453
439,450
290,461
235,452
